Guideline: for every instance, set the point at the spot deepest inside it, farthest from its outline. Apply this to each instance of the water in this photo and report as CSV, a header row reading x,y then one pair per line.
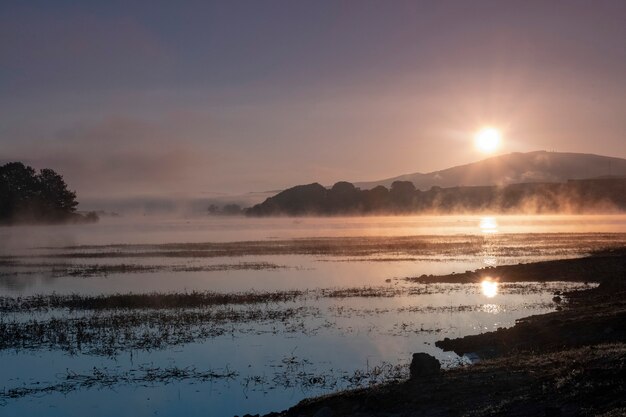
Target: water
x,y
274,363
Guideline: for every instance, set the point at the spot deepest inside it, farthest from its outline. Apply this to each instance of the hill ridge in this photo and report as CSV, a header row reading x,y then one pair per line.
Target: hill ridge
x,y
514,167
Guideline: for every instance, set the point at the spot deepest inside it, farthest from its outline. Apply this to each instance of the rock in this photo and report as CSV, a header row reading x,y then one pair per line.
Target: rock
x,y
324,412
424,364
557,299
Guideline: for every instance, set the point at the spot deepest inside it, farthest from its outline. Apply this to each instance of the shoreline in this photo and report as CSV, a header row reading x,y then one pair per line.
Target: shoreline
x,y
570,362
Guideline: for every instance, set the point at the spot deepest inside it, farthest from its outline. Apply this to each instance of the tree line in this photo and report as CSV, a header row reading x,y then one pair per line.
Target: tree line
x,y
343,198
29,196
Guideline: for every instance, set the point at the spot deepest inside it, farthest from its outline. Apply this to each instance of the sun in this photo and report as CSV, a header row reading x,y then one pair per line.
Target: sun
x,y
487,139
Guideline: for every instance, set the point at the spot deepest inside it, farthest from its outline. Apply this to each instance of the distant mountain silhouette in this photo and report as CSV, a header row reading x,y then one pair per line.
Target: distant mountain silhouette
x,y
531,167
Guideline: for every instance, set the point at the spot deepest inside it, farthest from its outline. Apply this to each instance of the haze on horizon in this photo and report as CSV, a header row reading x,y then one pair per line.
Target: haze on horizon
x,y
159,98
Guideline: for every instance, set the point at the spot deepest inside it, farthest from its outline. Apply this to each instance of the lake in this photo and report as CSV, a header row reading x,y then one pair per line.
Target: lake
x,y
246,315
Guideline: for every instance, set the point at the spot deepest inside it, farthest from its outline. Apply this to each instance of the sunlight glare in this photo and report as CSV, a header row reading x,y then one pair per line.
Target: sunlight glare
x,y
489,288
488,225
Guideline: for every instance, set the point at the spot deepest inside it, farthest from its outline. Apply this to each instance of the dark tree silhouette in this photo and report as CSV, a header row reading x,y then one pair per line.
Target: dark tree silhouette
x,y
54,193
376,199
575,196
18,189
231,209
28,196
343,197
402,195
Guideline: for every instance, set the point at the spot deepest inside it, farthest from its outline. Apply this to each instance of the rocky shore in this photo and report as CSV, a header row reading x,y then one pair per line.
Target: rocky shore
x,y
570,362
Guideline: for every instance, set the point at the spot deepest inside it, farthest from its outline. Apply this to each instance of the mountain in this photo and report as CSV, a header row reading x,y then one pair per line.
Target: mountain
x,y
539,166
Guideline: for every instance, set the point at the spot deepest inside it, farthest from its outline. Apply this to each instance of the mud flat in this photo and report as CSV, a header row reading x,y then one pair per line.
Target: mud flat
x,y
570,362
606,265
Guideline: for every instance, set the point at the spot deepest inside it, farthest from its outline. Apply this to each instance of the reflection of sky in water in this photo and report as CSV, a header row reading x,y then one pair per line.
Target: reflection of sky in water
x,y
488,225
362,331
302,272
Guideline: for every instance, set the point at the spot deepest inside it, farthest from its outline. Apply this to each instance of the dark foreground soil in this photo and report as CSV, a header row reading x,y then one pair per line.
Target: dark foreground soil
x,y
570,362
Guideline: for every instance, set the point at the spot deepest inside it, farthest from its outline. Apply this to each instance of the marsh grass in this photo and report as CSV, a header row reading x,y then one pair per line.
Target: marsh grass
x,y
207,299
292,373
204,299
158,301
18,267
108,378
110,333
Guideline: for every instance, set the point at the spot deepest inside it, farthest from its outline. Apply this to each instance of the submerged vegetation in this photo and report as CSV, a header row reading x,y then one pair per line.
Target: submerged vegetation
x,y
16,267
291,372
110,324
206,299
110,333
108,378
159,301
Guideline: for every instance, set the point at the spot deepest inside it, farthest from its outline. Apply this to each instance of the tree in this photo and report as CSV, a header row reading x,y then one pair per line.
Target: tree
x,y
402,194
231,209
343,197
27,196
18,189
376,199
54,194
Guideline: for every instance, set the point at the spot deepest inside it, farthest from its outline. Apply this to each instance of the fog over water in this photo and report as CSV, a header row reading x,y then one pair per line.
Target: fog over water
x,y
191,229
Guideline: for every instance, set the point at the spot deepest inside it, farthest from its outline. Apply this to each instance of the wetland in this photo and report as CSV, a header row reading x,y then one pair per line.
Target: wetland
x,y
236,316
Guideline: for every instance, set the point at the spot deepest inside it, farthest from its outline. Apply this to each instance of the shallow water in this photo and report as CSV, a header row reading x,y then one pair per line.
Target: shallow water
x,y
277,363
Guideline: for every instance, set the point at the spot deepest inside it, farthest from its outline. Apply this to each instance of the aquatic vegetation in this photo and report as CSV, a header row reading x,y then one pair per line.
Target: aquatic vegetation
x,y
109,333
387,311
16,267
108,378
293,372
194,299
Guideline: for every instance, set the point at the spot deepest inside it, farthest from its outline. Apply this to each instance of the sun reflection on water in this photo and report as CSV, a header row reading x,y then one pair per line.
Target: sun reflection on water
x,y
489,288
492,308
488,225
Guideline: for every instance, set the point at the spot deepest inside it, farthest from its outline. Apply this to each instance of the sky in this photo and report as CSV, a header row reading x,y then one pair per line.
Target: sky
x,y
130,98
